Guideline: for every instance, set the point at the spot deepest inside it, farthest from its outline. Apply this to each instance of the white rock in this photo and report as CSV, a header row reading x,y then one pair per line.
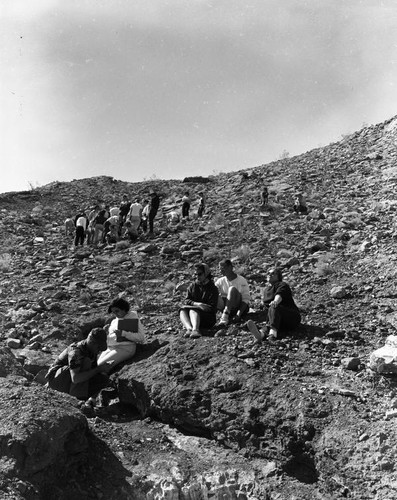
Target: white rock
x,y
338,292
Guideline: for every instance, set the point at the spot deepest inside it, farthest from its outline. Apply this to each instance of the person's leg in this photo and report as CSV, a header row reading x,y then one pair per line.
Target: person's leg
x,y
281,317
290,318
195,320
185,319
117,355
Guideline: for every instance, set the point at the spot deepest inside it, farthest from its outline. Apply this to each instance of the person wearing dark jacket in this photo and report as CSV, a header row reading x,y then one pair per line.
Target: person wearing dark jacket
x,y
278,303
76,371
201,302
153,209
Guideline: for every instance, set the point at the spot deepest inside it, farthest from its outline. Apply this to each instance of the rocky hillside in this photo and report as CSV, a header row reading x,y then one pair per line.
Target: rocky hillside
x,y
221,416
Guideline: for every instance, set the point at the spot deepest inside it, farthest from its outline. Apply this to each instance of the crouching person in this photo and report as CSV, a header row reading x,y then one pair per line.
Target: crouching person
x,y
76,372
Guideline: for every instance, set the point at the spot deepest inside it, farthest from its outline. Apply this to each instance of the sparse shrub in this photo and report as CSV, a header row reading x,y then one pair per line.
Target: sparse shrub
x,y
210,255
242,253
85,297
324,265
324,269
5,262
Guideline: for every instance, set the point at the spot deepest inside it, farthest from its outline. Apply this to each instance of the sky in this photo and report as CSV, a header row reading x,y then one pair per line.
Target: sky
x,y
141,89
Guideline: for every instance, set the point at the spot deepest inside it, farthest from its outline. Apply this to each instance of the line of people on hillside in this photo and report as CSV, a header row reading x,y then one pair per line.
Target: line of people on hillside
x,y
109,224
82,368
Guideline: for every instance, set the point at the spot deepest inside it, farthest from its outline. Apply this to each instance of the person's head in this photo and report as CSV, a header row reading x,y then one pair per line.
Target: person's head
x,y
225,266
125,197
202,272
274,275
186,193
119,307
97,340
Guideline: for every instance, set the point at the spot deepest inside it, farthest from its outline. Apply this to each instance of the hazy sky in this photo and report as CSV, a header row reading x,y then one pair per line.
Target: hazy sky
x,y
171,88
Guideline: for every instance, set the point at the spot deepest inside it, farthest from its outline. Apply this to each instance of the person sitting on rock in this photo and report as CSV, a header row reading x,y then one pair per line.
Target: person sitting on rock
x,y
199,310
124,333
282,312
234,294
76,371
300,204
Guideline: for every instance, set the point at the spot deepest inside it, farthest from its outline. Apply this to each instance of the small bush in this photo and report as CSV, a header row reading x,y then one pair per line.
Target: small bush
x,y
242,253
5,262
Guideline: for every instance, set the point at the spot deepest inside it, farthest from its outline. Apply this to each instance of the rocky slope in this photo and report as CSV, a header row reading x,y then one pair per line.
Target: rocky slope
x,y
221,416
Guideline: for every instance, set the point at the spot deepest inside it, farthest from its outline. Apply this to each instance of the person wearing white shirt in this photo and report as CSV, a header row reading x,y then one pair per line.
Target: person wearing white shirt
x,y
135,214
121,344
234,294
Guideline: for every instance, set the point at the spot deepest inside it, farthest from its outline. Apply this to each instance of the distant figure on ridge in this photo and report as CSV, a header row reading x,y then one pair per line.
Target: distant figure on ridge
x,y
186,205
81,223
300,206
201,207
234,294
201,303
135,214
264,197
153,209
69,227
145,215
124,209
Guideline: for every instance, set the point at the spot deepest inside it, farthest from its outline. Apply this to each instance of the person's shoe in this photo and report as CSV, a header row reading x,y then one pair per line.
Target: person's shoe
x,y
88,410
272,335
224,321
195,334
254,330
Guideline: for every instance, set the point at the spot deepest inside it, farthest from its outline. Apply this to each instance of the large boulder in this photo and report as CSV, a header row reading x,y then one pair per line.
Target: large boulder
x,y
9,365
43,437
203,390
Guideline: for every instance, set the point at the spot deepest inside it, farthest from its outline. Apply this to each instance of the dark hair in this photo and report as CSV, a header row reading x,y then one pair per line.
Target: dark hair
x,y
201,268
277,271
226,262
120,304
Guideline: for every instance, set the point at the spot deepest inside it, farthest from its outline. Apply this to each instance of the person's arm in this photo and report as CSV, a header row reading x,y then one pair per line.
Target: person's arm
x,y
276,301
138,337
78,376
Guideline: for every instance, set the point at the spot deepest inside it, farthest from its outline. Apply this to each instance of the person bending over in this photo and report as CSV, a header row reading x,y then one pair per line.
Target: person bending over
x,y
234,294
200,304
76,371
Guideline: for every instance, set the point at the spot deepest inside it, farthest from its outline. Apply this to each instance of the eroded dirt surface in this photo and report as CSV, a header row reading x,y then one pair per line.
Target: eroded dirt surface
x,y
300,418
